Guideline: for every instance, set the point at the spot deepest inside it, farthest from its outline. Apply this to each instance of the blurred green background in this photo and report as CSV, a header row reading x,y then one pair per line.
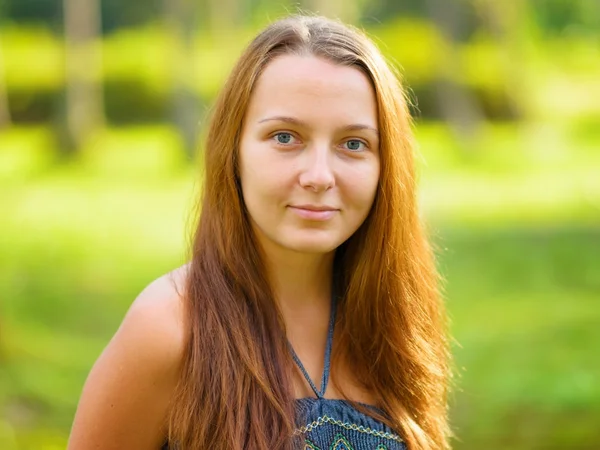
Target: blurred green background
x,y
100,103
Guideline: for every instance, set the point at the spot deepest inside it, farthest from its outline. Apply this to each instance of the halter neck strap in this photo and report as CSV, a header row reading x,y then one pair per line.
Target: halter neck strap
x,y
326,366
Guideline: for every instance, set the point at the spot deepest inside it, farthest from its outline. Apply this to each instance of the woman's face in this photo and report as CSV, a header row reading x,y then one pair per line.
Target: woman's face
x,y
309,153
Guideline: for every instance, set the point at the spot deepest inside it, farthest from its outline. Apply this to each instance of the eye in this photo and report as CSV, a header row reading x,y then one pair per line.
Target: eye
x,y
284,138
354,145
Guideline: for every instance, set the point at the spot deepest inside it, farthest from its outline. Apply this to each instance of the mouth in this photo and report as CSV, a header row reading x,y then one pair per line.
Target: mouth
x,y
314,207
319,213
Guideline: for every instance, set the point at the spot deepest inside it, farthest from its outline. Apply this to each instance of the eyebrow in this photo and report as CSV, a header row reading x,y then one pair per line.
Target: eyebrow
x,y
293,120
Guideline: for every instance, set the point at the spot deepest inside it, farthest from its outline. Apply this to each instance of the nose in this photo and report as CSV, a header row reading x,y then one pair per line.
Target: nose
x,y
317,173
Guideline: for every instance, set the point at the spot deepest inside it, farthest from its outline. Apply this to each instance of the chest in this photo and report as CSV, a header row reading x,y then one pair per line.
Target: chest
x,y
342,384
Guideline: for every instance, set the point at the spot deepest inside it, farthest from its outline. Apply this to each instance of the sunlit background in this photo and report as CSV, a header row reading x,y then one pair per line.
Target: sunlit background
x,y
100,106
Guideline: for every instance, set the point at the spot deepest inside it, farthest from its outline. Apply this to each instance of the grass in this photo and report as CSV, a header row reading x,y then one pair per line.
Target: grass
x,y
517,236
524,306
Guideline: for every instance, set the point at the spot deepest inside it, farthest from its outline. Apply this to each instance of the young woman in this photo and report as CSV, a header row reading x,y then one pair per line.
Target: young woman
x,y
309,315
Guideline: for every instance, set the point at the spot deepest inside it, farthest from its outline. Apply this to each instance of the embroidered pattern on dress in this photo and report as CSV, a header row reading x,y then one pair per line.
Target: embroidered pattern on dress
x,y
339,443
310,446
348,426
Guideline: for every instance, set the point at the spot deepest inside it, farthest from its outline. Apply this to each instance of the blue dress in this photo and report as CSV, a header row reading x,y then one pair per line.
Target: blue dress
x,y
327,424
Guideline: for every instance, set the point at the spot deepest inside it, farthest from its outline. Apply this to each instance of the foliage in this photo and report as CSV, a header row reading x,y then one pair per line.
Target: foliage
x,y
514,210
553,76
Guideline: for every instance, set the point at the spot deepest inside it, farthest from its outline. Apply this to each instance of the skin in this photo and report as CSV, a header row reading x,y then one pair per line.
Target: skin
x,y
323,153
296,149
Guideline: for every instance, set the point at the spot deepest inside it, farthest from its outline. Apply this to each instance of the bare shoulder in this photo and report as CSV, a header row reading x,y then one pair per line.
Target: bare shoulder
x,y
155,322
125,400
158,312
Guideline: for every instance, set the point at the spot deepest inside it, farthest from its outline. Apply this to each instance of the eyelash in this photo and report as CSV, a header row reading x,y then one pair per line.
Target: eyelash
x,y
345,142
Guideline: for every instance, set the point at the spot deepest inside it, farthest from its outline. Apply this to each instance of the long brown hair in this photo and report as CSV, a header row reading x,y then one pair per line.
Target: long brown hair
x,y
235,390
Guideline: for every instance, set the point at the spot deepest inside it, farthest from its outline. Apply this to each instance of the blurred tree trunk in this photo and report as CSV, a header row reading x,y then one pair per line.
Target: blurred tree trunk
x,y
181,21
5,119
508,23
458,106
84,111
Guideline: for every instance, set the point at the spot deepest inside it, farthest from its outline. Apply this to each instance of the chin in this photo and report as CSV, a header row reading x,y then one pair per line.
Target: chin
x,y
311,245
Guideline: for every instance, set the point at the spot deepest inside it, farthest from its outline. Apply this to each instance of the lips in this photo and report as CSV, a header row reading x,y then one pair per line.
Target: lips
x,y
318,213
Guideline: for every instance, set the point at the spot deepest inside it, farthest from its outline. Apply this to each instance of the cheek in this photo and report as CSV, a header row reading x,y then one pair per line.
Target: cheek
x,y
263,180
362,187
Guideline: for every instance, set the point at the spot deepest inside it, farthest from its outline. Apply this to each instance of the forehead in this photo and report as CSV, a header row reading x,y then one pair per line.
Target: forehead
x,y
312,86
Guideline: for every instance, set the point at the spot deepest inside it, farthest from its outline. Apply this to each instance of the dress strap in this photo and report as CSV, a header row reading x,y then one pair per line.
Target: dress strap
x,y
326,366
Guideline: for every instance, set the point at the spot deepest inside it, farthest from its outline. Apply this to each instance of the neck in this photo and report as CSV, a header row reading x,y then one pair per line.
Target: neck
x,y
299,280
